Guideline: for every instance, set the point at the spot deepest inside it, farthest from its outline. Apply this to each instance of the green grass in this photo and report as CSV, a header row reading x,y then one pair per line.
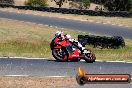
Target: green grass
x,y
26,40
121,54
20,39
25,49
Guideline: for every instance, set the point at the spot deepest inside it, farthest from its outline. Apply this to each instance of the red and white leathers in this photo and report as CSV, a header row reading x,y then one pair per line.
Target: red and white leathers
x,y
68,37
63,36
78,43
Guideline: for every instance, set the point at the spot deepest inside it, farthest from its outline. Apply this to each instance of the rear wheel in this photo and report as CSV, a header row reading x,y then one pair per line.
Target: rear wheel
x,y
60,55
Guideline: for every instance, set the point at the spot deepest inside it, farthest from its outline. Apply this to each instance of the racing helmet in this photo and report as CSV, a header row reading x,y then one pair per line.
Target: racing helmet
x,y
68,36
59,34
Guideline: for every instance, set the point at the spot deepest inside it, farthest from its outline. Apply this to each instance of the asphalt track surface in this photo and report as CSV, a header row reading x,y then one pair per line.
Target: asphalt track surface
x,y
91,27
45,67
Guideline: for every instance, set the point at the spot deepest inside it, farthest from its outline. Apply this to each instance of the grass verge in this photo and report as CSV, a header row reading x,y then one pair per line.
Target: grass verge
x,y
37,82
109,20
121,54
21,39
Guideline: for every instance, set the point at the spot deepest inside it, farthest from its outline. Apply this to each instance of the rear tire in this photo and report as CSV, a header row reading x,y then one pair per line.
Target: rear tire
x,y
60,58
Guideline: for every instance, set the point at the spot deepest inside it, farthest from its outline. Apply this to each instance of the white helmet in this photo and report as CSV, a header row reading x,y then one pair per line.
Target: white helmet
x,y
68,36
58,33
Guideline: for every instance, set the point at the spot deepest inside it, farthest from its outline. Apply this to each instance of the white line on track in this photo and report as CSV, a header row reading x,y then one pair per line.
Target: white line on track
x,y
113,24
111,61
128,62
41,24
104,23
16,75
100,61
22,58
120,25
98,22
127,26
57,76
117,61
91,21
49,59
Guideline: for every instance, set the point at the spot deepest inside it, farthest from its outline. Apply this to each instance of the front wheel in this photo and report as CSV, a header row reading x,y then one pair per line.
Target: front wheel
x,y
60,55
89,57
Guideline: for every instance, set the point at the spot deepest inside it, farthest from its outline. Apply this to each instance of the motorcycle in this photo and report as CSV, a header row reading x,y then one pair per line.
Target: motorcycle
x,y
65,50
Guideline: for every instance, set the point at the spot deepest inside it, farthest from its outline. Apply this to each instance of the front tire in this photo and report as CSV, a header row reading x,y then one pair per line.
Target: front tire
x,y
60,56
89,57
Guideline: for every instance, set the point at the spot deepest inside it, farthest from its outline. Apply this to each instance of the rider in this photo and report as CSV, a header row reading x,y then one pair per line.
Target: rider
x,y
63,36
60,35
68,37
